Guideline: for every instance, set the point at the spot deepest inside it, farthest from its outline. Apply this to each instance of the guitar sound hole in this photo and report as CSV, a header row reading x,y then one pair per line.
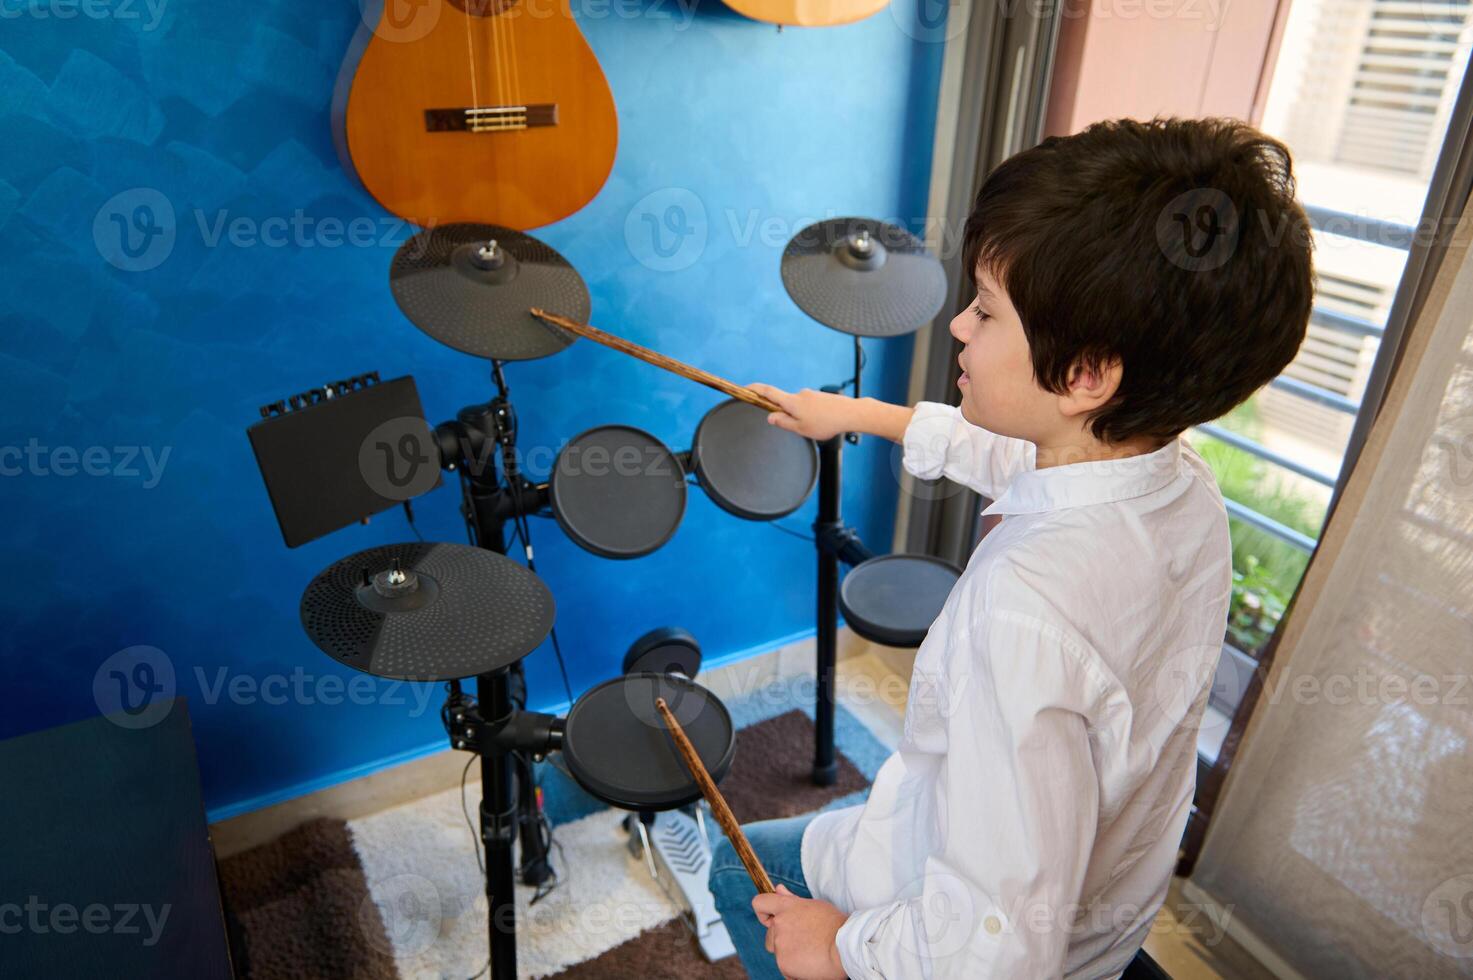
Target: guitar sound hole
x,y
483,8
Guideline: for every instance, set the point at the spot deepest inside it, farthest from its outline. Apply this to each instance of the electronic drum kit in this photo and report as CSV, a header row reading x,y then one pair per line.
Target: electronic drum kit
x,y
446,612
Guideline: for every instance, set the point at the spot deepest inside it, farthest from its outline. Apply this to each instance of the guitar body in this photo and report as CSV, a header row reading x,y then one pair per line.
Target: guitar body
x,y
475,110
807,13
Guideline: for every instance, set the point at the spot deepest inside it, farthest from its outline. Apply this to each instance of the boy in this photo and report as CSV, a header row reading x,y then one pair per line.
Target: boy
x,y
1132,280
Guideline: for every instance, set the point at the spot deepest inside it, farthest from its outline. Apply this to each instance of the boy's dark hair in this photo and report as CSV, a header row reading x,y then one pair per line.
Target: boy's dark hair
x,y
1175,245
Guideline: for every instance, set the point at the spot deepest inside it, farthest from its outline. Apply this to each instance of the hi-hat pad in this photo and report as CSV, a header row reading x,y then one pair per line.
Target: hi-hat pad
x,y
863,277
469,286
427,612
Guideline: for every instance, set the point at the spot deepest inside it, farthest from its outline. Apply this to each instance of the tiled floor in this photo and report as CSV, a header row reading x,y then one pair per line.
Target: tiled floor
x,y
1186,941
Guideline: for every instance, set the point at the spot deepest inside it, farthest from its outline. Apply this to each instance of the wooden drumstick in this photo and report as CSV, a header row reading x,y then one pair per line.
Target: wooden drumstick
x,y
723,813
659,360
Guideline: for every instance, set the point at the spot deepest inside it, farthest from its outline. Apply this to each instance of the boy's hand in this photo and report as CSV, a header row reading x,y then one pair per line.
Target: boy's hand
x,y
800,933
818,415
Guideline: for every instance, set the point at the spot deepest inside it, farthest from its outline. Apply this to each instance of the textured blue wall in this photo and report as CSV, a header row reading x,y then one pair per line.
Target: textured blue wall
x,y
134,512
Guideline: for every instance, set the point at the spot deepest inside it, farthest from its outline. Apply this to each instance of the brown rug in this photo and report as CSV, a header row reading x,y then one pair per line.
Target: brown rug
x,y
299,906
771,775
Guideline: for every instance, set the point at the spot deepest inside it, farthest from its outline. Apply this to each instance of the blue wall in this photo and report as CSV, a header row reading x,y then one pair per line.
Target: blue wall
x,y
211,110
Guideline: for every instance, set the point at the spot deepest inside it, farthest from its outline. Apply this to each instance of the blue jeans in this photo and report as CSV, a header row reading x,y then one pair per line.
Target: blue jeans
x,y
778,845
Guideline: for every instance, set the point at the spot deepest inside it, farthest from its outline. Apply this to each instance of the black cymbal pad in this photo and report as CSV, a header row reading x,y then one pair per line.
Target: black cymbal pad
x,y
450,612
469,286
864,277
894,599
617,747
749,468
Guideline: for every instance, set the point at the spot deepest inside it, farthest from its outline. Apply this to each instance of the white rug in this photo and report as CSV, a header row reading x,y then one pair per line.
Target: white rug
x,y
422,872
420,863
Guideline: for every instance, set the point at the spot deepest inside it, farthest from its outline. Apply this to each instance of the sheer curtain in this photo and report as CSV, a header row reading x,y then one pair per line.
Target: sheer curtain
x,y
1343,843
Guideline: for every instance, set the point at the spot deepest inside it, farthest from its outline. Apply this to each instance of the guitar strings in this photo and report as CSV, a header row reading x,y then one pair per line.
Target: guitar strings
x,y
470,44
496,46
516,72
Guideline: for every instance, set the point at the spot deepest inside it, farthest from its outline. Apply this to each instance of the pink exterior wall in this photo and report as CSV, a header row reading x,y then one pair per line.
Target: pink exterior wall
x,y
1138,58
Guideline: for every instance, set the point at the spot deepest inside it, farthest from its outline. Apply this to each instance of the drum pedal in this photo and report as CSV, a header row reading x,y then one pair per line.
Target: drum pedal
x,y
677,852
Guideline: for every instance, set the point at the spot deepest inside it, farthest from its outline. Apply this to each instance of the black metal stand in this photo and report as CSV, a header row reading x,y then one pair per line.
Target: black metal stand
x,y
494,727
507,738
498,827
835,541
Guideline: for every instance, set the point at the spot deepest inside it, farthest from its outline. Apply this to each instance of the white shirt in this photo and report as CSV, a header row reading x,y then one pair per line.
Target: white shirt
x,y
1028,824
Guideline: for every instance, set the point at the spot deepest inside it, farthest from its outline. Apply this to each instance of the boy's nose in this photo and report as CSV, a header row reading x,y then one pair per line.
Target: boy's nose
x,y
958,326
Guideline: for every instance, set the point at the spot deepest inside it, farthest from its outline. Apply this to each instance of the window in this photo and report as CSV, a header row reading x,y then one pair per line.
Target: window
x,y
1361,93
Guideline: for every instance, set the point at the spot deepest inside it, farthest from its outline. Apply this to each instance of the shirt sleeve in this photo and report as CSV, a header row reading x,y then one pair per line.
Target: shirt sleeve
x,y
939,442
1022,802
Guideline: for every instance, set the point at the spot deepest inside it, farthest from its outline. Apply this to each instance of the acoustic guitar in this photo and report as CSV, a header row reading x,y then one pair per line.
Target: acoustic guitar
x,y
807,13
475,110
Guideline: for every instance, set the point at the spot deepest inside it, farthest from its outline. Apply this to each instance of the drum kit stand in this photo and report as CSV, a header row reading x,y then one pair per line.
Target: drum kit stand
x,y
450,613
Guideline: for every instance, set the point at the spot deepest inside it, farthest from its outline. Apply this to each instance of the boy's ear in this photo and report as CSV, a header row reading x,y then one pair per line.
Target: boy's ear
x,y
1091,385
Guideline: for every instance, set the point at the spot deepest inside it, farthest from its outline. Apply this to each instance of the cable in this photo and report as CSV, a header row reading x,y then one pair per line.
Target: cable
x,y
409,516
465,809
519,517
863,360
476,840
549,840
524,531
788,530
467,511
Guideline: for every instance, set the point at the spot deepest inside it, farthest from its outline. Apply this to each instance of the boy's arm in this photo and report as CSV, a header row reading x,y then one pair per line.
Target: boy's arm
x,y
937,440
996,898
823,414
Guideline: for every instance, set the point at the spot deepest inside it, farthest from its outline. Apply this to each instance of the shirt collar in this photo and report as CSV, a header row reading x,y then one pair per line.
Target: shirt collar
x,y
1100,481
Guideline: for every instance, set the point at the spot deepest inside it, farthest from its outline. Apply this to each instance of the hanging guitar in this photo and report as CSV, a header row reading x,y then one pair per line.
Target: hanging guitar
x,y
475,110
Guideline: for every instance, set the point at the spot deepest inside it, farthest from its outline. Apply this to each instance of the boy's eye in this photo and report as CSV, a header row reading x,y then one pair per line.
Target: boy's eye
x,y
978,310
